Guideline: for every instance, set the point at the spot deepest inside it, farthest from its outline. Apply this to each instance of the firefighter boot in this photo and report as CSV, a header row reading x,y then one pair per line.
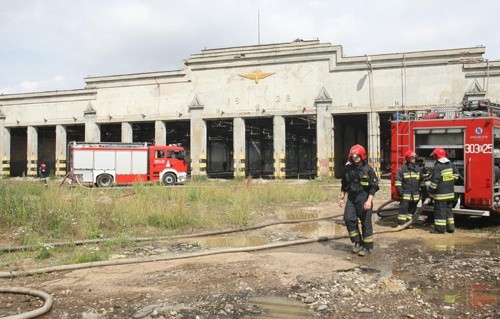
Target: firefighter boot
x,y
356,248
363,252
435,231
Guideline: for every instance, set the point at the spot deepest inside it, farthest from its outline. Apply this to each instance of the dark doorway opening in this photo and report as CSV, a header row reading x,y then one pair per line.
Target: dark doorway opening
x,y
220,148
301,147
385,144
259,147
18,151
111,132
75,133
143,132
178,132
349,130
47,147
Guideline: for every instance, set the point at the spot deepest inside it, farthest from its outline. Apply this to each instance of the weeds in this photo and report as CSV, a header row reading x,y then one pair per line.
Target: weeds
x,y
39,215
88,257
44,252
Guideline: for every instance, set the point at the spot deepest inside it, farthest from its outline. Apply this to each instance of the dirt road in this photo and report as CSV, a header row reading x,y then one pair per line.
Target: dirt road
x,y
410,274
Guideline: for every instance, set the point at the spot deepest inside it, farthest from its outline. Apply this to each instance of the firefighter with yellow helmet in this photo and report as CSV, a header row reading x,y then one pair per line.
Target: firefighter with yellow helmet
x,y
410,186
442,190
360,184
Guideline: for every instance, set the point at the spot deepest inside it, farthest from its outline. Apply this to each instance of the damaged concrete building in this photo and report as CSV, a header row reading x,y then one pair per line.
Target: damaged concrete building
x,y
286,110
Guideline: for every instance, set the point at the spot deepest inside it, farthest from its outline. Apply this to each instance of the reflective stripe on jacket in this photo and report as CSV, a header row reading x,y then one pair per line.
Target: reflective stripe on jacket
x,y
410,183
443,180
359,178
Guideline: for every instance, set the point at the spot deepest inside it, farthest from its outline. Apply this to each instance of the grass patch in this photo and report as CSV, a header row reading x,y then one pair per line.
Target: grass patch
x,y
38,215
89,256
44,252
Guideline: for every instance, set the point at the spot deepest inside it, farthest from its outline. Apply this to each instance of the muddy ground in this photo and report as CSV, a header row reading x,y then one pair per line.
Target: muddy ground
x,y
410,274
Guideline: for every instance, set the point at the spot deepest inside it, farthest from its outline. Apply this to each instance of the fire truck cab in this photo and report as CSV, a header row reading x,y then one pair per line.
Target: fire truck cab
x,y
471,137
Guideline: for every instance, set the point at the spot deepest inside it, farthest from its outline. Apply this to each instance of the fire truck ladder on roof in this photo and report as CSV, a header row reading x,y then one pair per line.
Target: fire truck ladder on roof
x,y
109,144
401,148
480,108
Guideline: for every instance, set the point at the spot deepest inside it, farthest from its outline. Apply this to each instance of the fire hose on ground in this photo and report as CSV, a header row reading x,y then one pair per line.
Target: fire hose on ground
x,y
48,299
47,305
192,255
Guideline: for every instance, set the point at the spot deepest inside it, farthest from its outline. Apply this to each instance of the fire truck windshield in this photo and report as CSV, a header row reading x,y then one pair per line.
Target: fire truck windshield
x,y
176,154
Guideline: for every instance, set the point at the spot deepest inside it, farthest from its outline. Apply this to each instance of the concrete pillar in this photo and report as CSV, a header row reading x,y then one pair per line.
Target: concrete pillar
x,y
239,146
198,139
324,135
127,132
374,141
92,130
61,149
160,133
32,151
4,147
6,153
279,145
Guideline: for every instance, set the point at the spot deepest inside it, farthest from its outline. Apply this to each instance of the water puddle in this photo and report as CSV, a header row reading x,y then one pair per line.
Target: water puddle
x,y
466,245
474,296
479,296
296,215
228,241
319,229
278,307
462,252
312,229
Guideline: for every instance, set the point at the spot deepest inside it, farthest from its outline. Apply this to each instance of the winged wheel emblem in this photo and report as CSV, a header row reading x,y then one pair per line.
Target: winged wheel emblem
x,y
256,75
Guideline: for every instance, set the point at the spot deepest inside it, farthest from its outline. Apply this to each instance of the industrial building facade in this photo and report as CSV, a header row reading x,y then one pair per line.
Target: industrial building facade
x,y
279,110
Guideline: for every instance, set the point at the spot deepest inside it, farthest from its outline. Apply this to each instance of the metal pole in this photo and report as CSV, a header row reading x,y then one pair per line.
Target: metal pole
x,y
258,26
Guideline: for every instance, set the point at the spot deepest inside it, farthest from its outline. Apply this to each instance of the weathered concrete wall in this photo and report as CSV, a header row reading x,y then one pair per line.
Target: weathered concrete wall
x,y
266,80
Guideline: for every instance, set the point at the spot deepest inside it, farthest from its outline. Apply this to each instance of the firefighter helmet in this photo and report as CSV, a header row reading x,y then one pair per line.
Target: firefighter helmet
x,y
409,154
438,153
42,165
357,150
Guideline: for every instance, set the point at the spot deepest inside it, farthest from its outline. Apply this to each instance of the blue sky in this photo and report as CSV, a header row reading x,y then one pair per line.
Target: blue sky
x,y
51,45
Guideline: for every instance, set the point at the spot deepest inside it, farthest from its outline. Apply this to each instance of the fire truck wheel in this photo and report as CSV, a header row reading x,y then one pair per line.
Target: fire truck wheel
x,y
168,179
104,180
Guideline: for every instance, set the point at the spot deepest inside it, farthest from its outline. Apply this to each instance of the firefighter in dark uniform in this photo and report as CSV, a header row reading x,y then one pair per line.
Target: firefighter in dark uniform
x,y
410,186
44,174
442,190
360,184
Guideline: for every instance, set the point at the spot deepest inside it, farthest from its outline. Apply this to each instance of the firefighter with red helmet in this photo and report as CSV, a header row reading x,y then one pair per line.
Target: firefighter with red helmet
x,y
360,184
43,173
442,190
410,186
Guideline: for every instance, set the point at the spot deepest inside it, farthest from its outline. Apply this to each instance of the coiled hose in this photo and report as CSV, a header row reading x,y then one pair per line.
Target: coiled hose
x,y
47,305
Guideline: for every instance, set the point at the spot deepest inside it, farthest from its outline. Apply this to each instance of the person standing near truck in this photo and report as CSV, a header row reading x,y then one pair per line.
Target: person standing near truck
x,y
360,184
442,190
410,186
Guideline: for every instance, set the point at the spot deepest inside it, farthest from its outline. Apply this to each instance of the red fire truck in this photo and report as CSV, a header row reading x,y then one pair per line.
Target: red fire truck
x,y
105,164
470,134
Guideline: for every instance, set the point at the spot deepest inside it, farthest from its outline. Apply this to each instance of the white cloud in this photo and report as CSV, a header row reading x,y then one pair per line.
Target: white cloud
x,y
52,84
79,38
